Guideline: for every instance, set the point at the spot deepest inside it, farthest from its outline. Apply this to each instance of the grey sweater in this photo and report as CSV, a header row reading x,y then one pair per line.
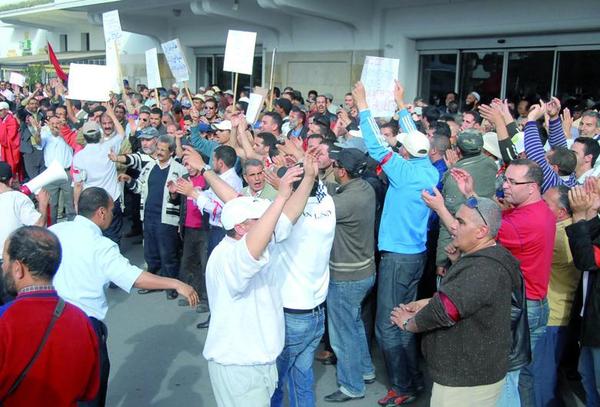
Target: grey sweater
x,y
352,254
474,350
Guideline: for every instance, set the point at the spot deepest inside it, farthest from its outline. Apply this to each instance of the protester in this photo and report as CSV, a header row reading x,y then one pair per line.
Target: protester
x,y
91,261
48,348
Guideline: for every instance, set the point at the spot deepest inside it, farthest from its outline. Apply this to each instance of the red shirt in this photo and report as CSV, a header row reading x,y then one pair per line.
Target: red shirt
x,y
193,215
68,367
528,232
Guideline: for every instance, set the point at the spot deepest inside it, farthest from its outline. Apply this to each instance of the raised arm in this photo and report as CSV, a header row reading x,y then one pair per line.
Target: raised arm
x,y
535,149
296,204
556,134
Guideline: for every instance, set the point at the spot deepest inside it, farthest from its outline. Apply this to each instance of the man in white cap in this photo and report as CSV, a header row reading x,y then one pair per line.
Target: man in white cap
x,y
472,101
247,330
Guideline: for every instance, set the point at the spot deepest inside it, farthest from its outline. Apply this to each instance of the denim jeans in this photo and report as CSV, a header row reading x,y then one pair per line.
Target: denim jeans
x,y
537,315
546,359
303,333
589,369
509,396
347,334
399,276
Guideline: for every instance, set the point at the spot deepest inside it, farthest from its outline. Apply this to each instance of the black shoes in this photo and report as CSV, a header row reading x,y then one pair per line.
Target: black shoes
x,y
339,397
205,324
172,294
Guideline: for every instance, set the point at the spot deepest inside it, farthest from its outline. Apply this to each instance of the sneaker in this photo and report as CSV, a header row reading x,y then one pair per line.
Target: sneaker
x,y
388,398
404,399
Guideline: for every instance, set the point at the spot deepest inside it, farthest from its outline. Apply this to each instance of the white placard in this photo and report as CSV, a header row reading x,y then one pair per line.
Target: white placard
x,y
89,82
112,26
16,79
152,70
176,60
254,107
378,77
239,52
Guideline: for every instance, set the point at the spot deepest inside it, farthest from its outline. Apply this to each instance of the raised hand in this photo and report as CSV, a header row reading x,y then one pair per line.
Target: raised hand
x,y
536,112
193,158
553,108
399,94
286,182
451,157
464,181
311,165
184,187
567,122
360,95
435,201
580,202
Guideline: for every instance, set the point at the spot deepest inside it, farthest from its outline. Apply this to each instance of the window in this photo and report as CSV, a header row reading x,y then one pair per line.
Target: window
x,y
438,77
63,43
480,72
578,75
209,70
85,41
529,75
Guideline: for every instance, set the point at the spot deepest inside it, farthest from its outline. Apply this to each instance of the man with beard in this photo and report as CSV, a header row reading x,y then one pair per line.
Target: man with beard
x,y
48,348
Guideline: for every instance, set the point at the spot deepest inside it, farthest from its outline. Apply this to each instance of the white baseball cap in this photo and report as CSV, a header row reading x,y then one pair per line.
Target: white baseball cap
x,y
223,125
415,142
4,106
241,209
490,144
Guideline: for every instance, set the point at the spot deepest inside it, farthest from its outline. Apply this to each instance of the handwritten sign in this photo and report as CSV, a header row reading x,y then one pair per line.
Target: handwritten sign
x,y
112,26
176,60
89,82
152,71
16,79
239,52
378,76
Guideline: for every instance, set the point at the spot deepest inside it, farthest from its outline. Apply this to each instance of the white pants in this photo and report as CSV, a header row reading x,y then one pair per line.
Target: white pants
x,y
474,396
235,385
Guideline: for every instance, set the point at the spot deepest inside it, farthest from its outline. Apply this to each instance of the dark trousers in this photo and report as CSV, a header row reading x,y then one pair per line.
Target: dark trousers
x,y
193,259
102,333
161,247
215,235
113,232
133,202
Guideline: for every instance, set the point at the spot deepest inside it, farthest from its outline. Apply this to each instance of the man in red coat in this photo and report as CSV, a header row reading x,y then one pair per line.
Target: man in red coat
x,y
10,140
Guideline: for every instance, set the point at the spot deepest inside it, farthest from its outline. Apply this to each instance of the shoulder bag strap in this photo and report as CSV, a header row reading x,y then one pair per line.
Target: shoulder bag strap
x,y
60,306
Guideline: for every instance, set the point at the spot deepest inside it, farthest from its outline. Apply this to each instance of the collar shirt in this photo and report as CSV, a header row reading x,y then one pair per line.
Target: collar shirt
x,y
301,261
90,262
17,210
247,325
55,149
93,167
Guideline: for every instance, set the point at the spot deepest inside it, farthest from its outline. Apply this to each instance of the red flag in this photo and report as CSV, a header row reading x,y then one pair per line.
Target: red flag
x,y
54,61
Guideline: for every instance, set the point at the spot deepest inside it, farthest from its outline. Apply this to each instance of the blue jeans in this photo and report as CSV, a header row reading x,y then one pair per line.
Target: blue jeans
x,y
399,276
161,247
509,396
347,334
303,333
537,316
548,353
589,369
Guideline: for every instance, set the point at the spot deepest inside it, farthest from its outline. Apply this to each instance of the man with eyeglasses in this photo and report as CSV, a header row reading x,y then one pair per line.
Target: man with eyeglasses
x,y
528,231
210,111
467,323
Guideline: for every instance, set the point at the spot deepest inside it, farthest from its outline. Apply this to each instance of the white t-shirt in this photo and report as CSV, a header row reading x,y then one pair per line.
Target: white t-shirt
x,y
92,166
89,263
301,262
16,210
247,325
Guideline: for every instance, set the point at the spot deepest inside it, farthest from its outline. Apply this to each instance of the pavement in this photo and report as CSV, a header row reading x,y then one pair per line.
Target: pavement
x,y
156,355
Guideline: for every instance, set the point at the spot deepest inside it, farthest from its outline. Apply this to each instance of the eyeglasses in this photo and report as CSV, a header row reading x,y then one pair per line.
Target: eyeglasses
x,y
513,182
472,203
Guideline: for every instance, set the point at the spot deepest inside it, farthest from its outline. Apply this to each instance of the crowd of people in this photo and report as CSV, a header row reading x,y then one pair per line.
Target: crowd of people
x,y
465,244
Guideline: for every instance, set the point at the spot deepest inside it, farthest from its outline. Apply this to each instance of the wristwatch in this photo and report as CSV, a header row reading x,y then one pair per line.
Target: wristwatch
x,y
205,168
405,323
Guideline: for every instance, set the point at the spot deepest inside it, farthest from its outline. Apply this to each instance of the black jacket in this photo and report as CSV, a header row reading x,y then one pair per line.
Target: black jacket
x,y
584,239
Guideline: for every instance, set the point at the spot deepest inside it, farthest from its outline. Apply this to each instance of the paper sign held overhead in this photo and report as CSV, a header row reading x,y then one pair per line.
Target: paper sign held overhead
x,y
256,103
89,82
16,79
112,26
239,52
152,70
176,60
378,77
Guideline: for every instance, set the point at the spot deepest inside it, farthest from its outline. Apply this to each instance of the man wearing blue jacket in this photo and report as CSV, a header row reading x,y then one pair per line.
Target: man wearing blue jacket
x,y
402,238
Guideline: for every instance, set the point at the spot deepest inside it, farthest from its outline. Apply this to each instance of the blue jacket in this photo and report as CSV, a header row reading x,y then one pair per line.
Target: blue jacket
x,y
403,227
